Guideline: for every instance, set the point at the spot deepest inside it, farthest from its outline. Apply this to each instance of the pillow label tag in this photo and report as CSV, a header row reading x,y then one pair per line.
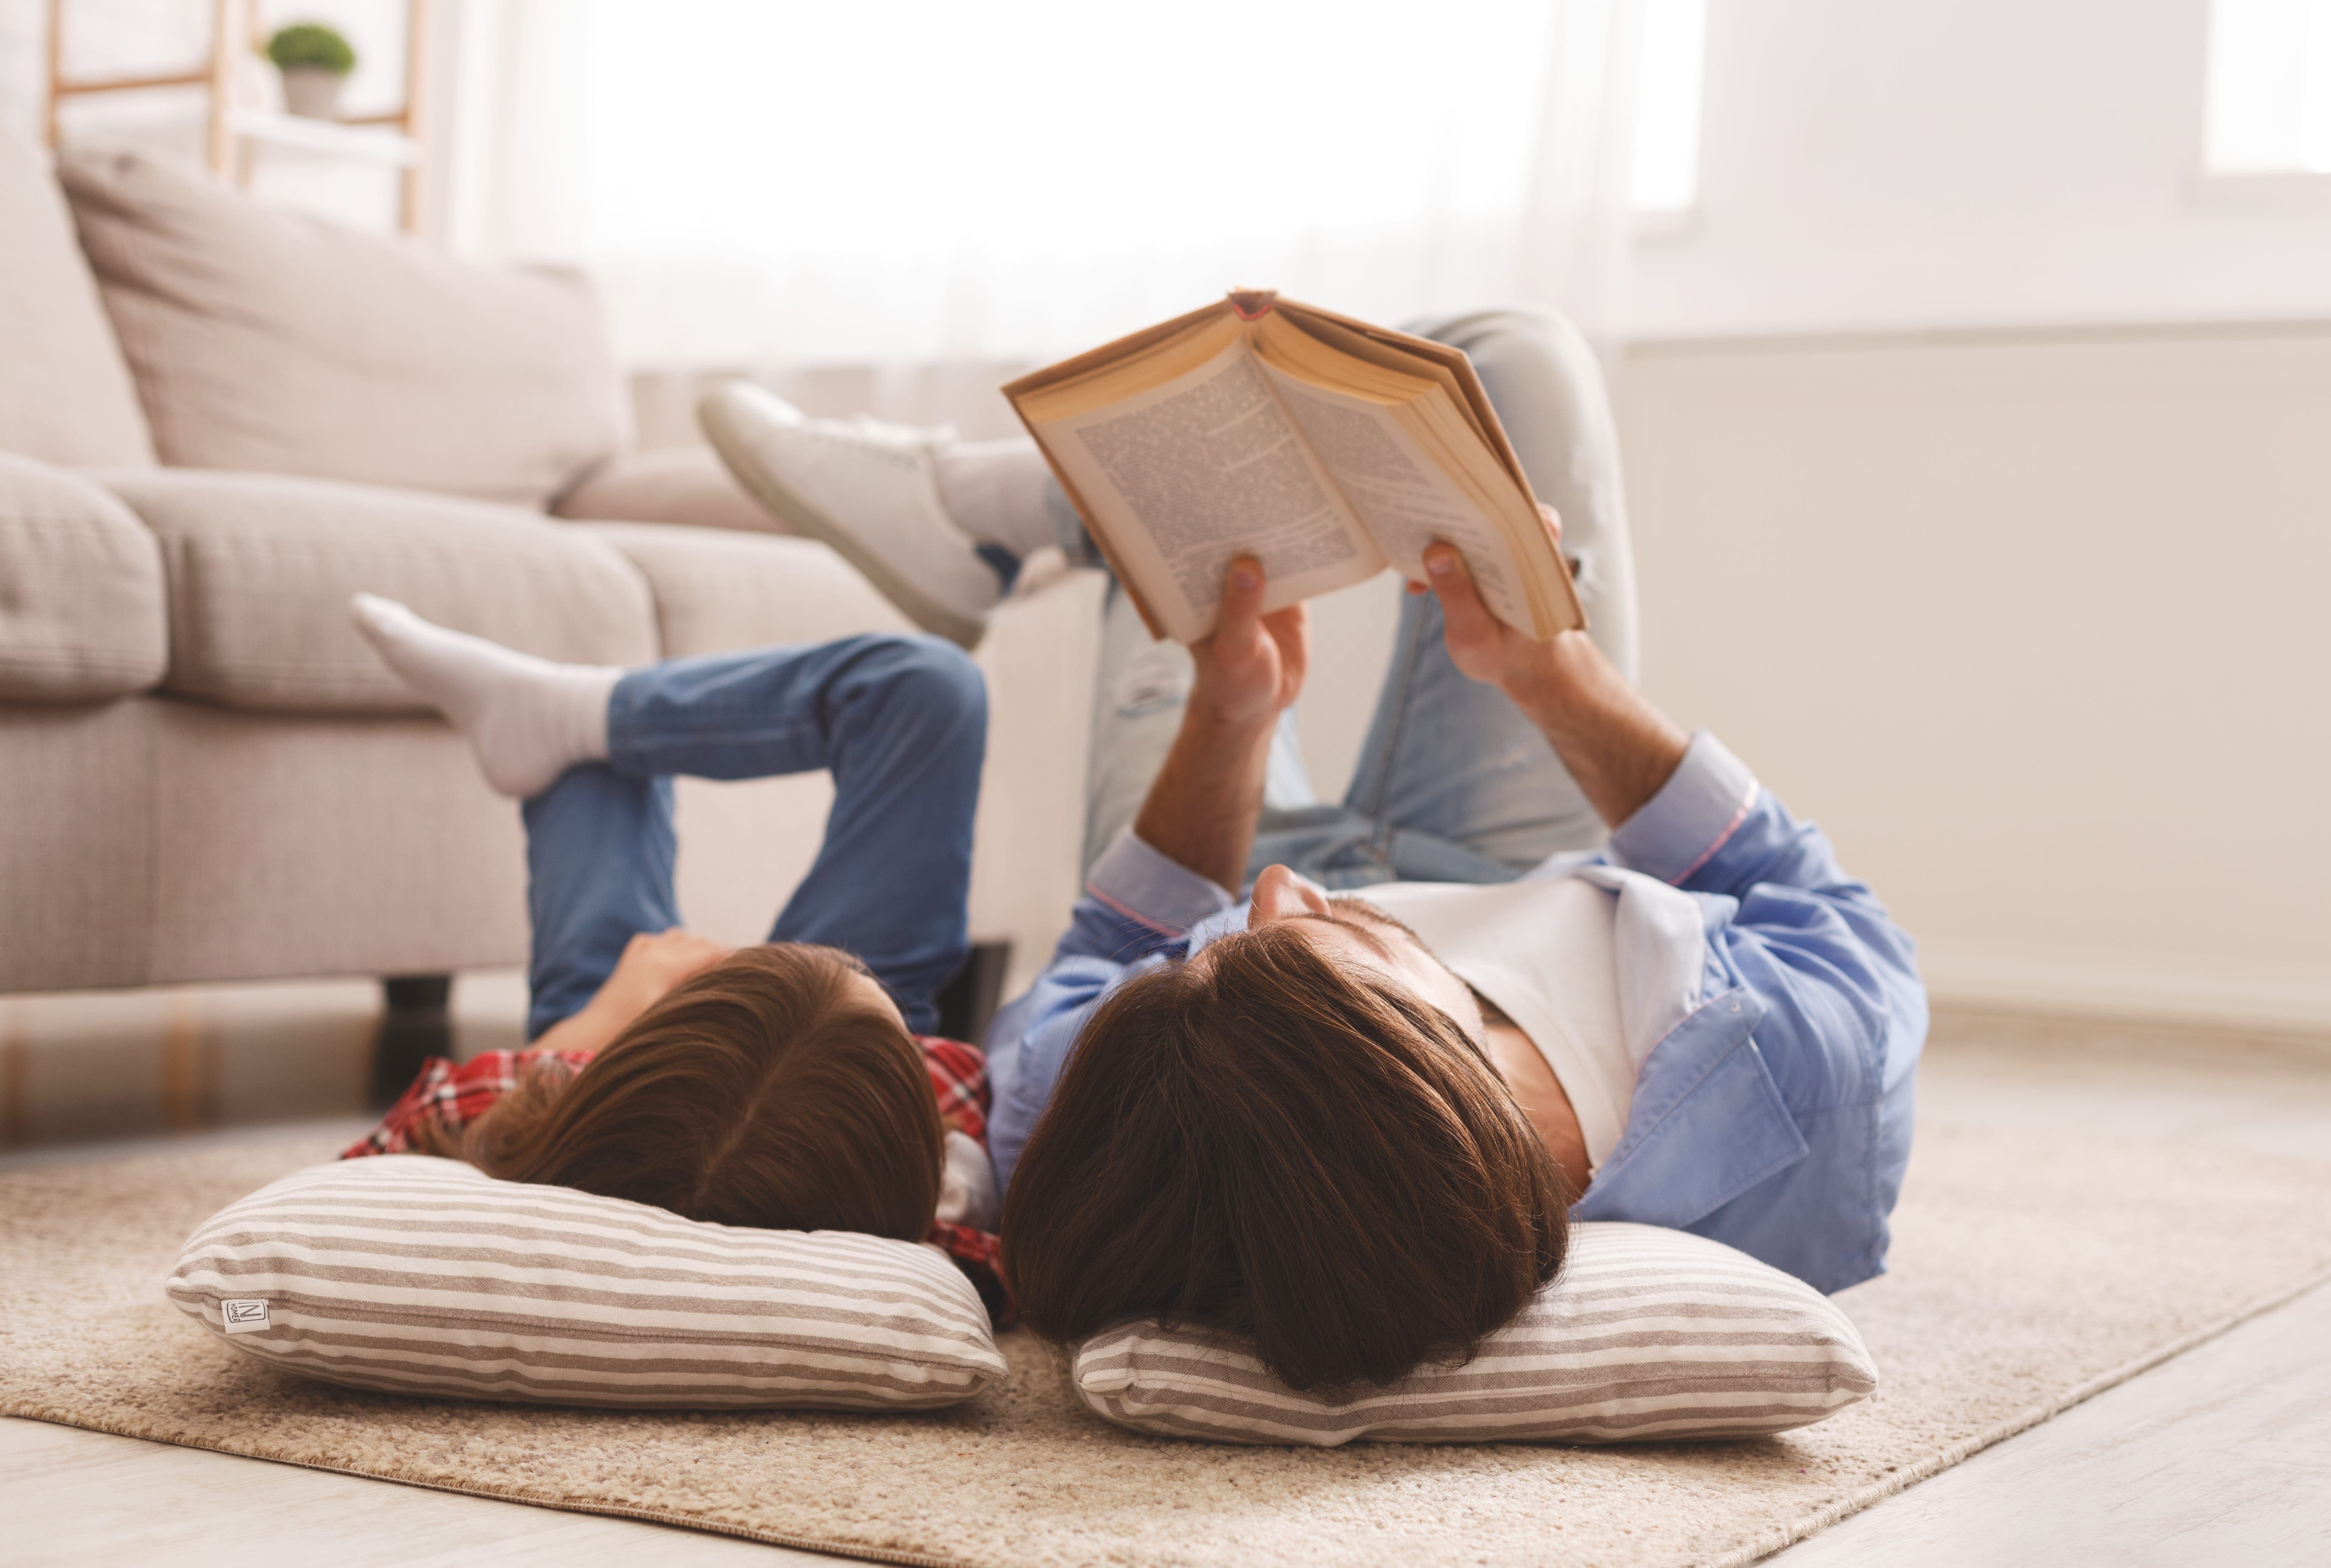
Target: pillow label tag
x,y
244,1317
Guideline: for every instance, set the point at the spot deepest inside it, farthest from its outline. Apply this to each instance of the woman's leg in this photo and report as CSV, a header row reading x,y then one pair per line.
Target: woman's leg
x,y
902,725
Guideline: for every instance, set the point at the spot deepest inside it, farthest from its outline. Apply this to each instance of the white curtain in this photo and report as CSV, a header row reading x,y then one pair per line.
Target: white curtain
x,y
766,182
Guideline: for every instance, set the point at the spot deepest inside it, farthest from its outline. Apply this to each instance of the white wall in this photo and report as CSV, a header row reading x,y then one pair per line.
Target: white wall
x,y
2031,620
1940,163
2034,624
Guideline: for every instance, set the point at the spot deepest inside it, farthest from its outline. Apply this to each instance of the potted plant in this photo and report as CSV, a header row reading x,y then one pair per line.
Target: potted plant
x,y
315,61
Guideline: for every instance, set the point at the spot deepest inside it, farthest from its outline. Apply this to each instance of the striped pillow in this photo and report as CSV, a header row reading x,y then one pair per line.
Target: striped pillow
x,y
413,1274
1648,1335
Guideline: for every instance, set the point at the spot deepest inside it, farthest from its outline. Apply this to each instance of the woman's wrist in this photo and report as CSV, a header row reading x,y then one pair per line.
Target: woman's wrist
x,y
1216,719
1617,746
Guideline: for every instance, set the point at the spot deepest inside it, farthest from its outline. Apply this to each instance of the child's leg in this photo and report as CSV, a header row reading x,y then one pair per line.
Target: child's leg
x,y
599,856
900,723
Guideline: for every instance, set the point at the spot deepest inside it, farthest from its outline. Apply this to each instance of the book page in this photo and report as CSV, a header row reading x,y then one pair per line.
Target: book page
x,y
1183,477
1404,498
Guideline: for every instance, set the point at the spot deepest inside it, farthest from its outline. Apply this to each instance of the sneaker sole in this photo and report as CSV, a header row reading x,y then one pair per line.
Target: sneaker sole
x,y
799,516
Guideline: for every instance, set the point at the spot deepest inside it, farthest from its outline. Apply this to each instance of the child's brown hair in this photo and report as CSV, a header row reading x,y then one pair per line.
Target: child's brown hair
x,y
767,1090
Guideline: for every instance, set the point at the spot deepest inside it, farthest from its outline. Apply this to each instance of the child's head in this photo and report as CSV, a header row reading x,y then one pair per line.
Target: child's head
x,y
778,1087
1274,1143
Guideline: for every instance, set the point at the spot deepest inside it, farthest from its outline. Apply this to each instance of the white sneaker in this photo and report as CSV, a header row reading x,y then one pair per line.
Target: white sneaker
x,y
869,489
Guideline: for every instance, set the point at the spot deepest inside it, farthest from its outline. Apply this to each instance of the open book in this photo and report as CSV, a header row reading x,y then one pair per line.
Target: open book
x,y
1326,448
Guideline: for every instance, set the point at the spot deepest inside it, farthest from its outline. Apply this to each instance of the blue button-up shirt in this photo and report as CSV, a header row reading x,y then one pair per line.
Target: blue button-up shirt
x,y
1773,1113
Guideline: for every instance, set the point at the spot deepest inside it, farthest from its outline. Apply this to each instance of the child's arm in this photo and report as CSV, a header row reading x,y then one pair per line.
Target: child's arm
x,y
649,968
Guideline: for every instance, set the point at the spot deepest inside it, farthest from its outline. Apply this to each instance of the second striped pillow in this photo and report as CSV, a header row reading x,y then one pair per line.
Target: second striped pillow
x,y
1646,1335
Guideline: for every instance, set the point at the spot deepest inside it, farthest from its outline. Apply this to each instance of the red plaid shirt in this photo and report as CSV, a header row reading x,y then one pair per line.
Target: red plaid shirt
x,y
454,1096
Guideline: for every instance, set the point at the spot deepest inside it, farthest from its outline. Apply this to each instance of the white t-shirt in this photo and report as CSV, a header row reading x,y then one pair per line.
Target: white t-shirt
x,y
1544,952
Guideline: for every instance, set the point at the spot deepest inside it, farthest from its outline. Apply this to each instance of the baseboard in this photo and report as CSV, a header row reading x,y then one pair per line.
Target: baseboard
x,y
2182,987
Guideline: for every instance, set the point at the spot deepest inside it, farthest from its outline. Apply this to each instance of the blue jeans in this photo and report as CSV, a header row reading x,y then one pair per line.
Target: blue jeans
x,y
900,722
1453,784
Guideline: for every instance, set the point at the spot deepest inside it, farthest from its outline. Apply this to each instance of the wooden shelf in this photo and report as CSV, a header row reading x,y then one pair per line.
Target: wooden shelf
x,y
381,144
395,140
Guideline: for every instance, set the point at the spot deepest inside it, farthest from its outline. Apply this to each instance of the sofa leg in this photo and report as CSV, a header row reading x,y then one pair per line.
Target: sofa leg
x,y
969,1002
416,1024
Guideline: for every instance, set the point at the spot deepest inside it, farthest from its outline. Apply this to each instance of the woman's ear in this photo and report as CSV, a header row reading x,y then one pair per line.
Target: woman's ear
x,y
1279,893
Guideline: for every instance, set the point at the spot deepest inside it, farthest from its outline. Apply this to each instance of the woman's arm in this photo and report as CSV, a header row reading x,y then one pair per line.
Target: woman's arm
x,y
1203,807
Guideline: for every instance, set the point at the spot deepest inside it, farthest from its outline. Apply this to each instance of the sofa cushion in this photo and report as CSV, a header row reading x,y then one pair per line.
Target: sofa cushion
x,y
81,590
717,591
260,570
65,395
688,485
272,343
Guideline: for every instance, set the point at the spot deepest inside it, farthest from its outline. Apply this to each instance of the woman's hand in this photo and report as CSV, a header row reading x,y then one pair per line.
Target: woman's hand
x,y
1481,646
1203,805
1252,667
1619,748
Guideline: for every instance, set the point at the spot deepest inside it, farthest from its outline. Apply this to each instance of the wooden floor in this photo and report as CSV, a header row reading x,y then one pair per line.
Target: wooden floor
x,y
2222,1455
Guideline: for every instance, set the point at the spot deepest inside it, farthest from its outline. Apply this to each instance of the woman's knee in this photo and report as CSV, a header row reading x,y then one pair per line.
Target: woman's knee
x,y
1529,341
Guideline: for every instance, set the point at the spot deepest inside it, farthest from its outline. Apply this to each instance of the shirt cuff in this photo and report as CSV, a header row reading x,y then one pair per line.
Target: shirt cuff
x,y
1154,889
1702,806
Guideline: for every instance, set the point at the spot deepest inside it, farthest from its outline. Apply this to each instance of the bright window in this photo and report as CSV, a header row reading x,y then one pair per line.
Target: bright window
x,y
2269,87
1667,108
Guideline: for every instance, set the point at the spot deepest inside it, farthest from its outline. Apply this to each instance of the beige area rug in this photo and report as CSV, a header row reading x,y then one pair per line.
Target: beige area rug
x,y
2029,1271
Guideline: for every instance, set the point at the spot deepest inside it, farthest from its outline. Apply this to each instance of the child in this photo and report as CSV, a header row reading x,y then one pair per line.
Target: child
x,y
791,1085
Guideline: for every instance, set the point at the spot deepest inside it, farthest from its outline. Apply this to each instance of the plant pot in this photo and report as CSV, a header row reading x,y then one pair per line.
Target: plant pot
x,y
312,92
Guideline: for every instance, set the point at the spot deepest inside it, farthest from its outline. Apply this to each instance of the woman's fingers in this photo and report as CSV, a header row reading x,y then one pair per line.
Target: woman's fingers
x,y
1242,609
1473,634
1553,522
1461,600
1290,628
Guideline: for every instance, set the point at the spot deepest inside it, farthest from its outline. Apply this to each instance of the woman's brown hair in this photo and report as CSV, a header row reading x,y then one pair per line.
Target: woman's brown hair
x,y
767,1090
1263,1141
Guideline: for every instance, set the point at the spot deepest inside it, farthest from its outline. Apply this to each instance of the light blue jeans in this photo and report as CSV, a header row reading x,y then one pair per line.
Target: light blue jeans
x,y
900,722
1453,784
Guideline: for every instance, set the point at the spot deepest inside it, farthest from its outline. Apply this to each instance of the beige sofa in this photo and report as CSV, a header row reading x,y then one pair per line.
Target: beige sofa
x,y
216,423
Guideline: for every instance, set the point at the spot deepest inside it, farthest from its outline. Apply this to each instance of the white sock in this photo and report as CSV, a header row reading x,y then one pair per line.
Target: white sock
x,y
995,492
527,718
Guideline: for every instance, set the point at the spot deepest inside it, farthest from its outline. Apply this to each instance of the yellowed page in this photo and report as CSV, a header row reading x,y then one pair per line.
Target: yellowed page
x,y
1402,493
1181,477
1382,346
1103,380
